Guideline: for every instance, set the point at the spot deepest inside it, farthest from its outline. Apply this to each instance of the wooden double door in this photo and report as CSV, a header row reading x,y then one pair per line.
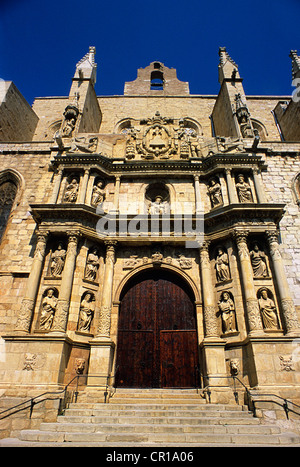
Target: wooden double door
x,y
157,342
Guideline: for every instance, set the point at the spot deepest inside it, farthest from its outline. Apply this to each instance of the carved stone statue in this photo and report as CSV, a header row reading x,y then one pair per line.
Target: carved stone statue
x,y
258,261
71,191
268,310
227,310
84,144
98,194
48,309
71,113
215,193
158,206
222,266
92,265
58,260
243,190
69,127
87,308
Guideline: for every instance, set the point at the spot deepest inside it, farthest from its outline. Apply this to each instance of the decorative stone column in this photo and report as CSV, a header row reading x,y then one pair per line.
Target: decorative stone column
x,y
258,186
117,193
106,301
213,346
28,302
287,303
209,309
83,188
56,187
197,194
231,188
102,347
252,308
63,303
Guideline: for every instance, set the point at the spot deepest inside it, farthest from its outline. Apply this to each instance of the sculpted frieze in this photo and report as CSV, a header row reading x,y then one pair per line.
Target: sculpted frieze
x,y
156,257
161,137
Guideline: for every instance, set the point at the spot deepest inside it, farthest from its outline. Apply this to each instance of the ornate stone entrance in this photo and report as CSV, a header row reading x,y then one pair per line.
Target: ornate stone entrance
x,y
157,342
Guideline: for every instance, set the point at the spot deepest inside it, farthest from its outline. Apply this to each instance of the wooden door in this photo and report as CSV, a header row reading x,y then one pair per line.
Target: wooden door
x,y
157,339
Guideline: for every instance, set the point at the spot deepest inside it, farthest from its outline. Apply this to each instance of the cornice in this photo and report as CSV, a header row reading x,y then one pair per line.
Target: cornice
x,y
140,167
60,218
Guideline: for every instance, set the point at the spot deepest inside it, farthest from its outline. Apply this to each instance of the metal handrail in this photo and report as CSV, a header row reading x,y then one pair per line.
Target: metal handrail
x,y
33,400
250,401
251,398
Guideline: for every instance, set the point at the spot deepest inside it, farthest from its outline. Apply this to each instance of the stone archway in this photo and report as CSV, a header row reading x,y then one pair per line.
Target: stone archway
x,y
157,343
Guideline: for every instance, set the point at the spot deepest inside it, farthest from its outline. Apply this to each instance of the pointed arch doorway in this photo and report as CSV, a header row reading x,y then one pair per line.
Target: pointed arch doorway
x,y
157,343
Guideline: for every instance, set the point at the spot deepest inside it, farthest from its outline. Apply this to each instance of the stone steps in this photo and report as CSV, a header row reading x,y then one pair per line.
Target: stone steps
x,y
154,418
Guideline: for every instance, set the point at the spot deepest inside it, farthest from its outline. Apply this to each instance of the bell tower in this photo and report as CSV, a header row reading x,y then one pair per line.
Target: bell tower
x,y
156,79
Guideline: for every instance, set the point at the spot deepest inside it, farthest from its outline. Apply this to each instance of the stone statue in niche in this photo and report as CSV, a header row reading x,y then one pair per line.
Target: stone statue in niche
x,y
267,309
87,308
258,261
227,310
215,193
243,190
98,194
58,261
222,265
71,191
158,206
49,303
92,265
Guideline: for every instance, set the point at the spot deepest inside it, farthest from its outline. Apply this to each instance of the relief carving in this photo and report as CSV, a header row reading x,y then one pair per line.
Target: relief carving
x,y
160,138
71,192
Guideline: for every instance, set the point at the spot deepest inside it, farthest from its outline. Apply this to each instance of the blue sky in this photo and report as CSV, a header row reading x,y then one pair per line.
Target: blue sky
x,y
41,42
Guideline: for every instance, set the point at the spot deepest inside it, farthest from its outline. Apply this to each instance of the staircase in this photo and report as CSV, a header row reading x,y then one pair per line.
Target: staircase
x,y
154,417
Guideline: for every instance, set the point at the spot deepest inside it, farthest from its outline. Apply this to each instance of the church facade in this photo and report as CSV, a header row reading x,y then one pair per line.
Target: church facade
x,y
150,239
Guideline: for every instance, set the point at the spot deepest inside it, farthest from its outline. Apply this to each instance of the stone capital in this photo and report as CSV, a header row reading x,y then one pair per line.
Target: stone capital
x,y
240,235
